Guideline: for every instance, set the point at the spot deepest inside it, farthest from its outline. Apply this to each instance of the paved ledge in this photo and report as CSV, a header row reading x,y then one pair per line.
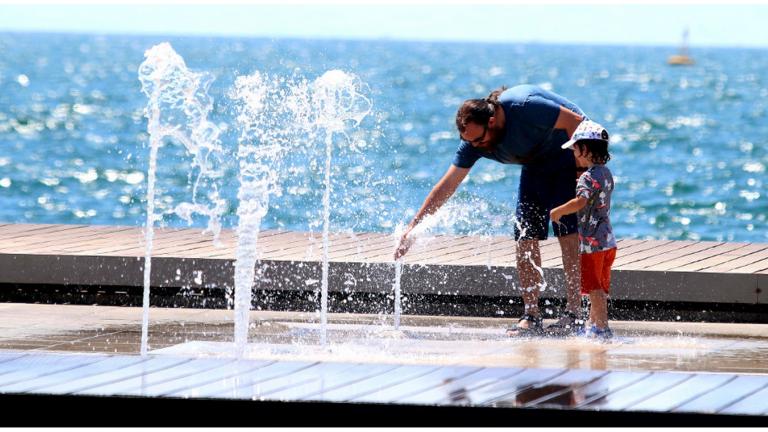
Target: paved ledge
x,y
645,270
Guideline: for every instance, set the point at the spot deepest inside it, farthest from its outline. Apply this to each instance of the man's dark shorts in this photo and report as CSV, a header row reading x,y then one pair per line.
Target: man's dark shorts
x,y
545,185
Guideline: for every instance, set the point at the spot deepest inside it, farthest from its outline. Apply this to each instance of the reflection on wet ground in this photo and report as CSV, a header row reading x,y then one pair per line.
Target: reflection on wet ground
x,y
284,336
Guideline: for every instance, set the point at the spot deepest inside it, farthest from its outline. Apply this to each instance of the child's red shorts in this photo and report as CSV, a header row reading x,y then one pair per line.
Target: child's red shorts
x,y
596,271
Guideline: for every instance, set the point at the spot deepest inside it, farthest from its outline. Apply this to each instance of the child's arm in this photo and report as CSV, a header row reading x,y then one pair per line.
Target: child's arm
x,y
571,206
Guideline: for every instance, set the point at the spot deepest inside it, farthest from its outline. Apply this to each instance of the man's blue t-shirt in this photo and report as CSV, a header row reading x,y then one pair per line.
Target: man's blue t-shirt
x,y
530,115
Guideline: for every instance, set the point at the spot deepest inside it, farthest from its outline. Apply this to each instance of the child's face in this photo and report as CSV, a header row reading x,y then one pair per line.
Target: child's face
x,y
582,156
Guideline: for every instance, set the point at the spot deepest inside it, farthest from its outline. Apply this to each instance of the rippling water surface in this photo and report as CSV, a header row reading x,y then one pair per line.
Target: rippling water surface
x,y
689,150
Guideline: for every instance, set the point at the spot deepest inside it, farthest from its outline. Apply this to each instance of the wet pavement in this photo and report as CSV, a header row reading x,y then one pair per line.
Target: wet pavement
x,y
420,340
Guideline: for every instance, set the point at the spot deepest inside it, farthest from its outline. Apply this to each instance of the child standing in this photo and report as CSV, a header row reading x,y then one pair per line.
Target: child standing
x,y
597,245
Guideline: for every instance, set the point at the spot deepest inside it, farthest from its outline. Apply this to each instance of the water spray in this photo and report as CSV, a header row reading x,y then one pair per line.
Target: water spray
x,y
178,109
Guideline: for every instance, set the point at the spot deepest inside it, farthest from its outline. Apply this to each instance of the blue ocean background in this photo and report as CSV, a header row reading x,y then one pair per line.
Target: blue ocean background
x,y
689,143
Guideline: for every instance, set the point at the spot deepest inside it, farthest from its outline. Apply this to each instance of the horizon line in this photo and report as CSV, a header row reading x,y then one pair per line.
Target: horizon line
x,y
373,38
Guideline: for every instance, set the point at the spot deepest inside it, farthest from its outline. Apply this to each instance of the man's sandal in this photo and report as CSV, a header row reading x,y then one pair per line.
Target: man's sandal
x,y
535,327
569,324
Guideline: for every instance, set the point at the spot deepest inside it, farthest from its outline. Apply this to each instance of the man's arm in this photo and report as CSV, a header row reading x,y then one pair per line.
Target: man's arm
x,y
440,193
568,121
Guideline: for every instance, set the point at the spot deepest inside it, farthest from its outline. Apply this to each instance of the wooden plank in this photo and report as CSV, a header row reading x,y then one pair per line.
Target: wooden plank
x,y
64,242
488,251
547,248
626,247
639,252
668,252
430,246
756,268
181,248
732,259
423,247
699,260
501,252
551,254
164,244
24,230
217,254
556,261
728,254
758,258
371,246
285,241
174,237
180,243
21,238
208,251
462,248
299,247
32,235
120,241
746,264
351,246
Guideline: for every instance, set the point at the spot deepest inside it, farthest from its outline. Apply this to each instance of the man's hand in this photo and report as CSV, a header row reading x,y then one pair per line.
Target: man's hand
x,y
405,244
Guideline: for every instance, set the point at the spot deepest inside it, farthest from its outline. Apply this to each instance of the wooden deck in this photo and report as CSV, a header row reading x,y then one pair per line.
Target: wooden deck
x,y
653,270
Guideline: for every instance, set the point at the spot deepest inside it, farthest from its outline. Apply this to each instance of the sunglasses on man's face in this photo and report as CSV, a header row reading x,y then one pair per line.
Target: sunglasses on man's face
x,y
481,138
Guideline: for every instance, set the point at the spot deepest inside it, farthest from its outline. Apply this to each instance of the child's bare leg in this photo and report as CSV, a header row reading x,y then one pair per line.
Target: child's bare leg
x,y
598,308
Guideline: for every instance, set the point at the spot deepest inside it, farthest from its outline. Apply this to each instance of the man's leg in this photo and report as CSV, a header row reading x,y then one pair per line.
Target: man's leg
x,y
562,190
569,246
531,225
528,254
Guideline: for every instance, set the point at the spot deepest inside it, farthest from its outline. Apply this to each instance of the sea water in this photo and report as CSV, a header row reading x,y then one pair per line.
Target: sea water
x,y
688,143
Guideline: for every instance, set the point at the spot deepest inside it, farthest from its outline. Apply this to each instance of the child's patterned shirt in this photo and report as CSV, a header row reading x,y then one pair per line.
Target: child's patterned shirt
x,y
595,232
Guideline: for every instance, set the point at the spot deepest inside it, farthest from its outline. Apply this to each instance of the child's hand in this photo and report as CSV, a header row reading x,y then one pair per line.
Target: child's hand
x,y
555,215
